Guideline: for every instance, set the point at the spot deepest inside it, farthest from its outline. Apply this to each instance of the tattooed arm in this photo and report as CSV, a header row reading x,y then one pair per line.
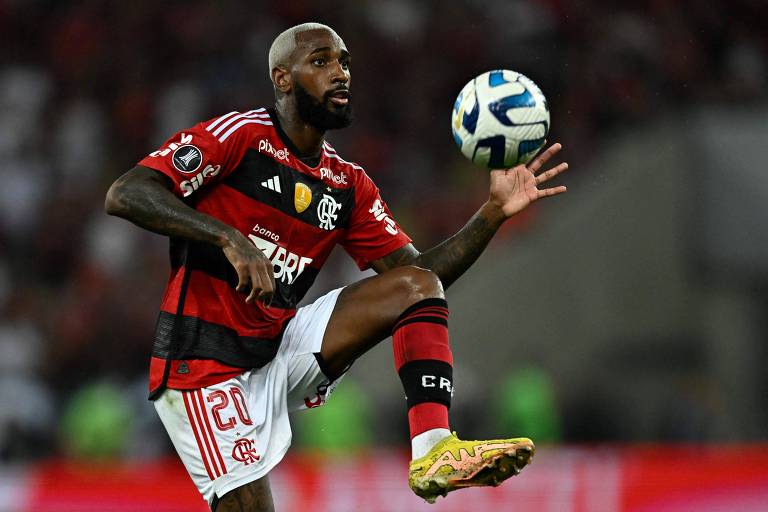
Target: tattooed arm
x,y
143,196
451,258
512,190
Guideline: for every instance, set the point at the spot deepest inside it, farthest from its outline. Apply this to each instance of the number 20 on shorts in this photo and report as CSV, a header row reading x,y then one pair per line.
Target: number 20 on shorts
x,y
220,400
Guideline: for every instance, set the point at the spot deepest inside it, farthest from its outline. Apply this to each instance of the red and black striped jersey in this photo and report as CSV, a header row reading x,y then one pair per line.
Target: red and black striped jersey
x,y
242,169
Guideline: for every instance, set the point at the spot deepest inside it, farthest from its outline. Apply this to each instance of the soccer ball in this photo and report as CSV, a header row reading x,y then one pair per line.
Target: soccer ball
x,y
500,119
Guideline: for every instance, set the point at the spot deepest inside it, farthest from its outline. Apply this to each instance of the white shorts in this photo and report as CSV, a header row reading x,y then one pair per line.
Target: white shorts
x,y
235,432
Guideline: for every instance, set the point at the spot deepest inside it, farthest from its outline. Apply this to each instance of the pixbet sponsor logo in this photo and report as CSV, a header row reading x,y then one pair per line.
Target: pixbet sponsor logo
x,y
288,266
327,174
190,185
381,215
266,147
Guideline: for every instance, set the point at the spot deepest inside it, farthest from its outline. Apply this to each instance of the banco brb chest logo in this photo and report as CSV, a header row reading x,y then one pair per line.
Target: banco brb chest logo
x,y
327,212
244,451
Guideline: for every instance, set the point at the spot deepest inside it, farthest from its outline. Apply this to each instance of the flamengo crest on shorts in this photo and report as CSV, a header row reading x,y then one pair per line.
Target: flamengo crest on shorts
x,y
245,452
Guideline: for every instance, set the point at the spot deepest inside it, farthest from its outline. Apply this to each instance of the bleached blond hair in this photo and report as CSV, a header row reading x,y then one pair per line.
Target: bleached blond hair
x,y
284,44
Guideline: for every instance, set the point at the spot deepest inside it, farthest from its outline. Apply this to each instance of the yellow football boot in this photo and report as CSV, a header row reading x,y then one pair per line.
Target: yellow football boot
x,y
454,464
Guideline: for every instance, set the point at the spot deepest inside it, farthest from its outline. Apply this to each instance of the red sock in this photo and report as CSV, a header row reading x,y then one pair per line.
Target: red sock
x,y
424,362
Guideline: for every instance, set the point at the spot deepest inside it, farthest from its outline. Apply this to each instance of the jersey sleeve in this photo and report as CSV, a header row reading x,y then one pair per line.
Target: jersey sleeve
x,y
372,232
196,158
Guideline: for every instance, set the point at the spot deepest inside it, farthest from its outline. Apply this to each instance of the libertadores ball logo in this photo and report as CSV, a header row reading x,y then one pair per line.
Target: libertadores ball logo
x,y
187,159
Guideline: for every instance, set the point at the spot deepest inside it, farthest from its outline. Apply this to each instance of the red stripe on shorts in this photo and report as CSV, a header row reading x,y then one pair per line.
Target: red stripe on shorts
x,y
192,424
199,414
210,431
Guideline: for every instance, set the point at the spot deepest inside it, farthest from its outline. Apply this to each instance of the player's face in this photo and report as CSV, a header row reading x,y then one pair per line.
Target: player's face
x,y
321,80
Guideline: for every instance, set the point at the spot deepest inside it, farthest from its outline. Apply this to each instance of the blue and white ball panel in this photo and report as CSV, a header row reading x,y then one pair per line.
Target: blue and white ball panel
x,y
500,119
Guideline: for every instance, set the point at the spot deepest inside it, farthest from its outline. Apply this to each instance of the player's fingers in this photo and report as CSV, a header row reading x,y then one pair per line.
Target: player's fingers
x,y
256,284
254,293
266,297
243,279
541,178
551,191
540,160
262,276
267,278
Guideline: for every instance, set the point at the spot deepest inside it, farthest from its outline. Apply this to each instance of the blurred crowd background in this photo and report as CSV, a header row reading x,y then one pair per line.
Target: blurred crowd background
x,y
630,309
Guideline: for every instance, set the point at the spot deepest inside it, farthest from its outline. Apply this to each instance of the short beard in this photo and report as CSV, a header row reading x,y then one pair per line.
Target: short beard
x,y
317,114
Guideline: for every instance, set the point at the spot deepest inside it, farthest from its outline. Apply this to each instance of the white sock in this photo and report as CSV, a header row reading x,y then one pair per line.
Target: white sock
x,y
422,443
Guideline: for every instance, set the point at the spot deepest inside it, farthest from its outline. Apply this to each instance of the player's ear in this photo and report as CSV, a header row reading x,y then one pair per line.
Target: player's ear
x,y
282,79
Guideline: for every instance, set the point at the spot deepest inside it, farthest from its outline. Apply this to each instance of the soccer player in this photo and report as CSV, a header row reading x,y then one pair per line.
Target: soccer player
x,y
253,203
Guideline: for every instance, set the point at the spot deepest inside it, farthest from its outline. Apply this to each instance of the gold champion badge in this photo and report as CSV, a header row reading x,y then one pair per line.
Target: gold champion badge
x,y
302,196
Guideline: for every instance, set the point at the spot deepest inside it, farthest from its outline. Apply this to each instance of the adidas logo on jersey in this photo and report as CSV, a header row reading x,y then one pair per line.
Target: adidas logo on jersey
x,y
272,183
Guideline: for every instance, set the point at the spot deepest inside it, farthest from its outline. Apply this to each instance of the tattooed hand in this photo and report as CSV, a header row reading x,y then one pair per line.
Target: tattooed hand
x,y
512,190
254,270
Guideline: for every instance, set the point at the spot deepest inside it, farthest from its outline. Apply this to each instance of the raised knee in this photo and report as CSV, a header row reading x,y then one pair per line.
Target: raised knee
x,y
416,283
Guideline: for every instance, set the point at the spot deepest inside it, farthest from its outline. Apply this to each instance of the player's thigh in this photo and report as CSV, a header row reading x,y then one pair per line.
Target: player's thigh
x,y
366,311
252,497
309,381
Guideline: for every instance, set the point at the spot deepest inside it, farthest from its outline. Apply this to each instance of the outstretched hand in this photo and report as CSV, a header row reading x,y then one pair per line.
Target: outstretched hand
x,y
512,190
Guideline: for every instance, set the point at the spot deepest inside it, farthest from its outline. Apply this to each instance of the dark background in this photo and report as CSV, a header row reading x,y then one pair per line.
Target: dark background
x,y
630,309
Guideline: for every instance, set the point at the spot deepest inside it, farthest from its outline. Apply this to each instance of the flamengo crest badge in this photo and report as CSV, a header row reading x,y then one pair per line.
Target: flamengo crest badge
x,y
244,451
327,212
302,196
187,159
